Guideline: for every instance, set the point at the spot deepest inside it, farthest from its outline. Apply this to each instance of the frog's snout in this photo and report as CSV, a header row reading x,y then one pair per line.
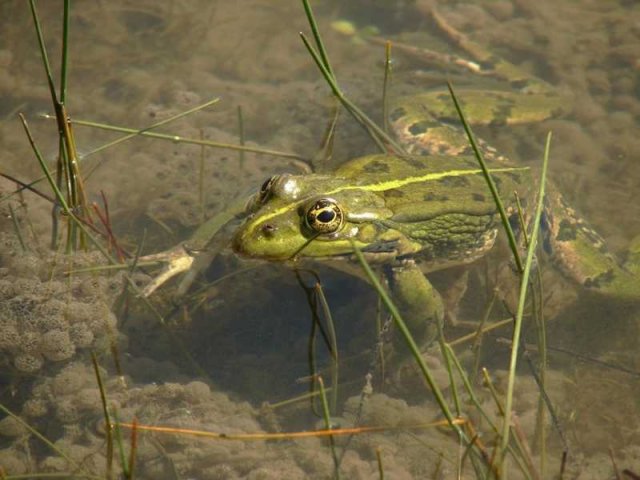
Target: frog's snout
x,y
256,240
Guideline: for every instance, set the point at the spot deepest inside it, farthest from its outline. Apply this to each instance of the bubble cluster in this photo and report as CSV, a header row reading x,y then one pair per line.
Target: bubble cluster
x,y
44,316
68,407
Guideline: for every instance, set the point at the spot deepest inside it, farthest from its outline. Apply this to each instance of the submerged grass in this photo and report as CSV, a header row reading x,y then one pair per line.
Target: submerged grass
x,y
328,425
525,271
524,287
490,182
320,310
108,424
413,346
132,132
60,197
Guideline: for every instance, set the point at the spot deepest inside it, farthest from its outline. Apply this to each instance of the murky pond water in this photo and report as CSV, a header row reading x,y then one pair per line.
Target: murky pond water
x,y
234,358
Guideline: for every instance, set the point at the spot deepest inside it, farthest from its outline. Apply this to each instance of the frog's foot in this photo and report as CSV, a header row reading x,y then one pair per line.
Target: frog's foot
x,y
177,260
419,304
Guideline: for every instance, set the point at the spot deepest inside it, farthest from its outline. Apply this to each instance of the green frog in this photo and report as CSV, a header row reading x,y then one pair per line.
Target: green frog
x,y
428,209
431,209
415,215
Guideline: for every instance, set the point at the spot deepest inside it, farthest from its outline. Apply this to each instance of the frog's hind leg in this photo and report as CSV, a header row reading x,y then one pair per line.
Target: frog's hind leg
x,y
428,124
423,131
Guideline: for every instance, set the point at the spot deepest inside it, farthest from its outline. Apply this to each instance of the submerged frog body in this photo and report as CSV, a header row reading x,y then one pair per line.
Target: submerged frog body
x,y
416,215
431,209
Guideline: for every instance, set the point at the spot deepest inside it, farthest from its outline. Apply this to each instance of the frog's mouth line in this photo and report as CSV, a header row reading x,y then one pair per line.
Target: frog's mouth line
x,y
381,247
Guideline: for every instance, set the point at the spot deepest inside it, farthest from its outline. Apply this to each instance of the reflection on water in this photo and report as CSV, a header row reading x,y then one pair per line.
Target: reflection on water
x,y
244,340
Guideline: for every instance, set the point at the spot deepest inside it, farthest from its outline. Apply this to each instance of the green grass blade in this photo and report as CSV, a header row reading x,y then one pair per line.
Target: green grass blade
x,y
385,86
379,461
43,51
241,139
328,424
377,134
447,353
135,133
521,304
120,443
192,141
413,347
65,51
492,186
469,388
58,194
316,36
16,228
333,340
108,424
43,166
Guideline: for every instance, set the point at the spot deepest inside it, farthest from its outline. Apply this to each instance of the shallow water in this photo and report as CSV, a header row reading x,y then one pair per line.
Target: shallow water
x,y
213,366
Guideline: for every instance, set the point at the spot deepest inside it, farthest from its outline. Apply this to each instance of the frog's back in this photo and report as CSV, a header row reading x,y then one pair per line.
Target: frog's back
x,y
441,204
415,188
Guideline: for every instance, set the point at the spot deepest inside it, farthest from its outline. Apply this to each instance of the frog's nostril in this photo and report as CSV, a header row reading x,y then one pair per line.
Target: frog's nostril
x,y
268,229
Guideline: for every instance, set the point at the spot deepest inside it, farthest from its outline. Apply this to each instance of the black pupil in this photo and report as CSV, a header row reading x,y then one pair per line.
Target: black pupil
x,y
326,216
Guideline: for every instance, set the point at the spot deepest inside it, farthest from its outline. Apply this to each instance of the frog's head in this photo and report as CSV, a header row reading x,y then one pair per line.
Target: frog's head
x,y
311,216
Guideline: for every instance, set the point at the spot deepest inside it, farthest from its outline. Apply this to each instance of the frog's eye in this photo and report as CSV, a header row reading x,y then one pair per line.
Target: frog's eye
x,y
324,216
265,189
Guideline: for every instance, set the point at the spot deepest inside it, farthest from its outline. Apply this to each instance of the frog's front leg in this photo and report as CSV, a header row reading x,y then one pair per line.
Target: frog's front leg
x,y
419,304
194,255
176,260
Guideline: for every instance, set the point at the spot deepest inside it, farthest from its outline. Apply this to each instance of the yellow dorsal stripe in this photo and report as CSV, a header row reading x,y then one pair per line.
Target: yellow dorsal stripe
x,y
388,185
401,182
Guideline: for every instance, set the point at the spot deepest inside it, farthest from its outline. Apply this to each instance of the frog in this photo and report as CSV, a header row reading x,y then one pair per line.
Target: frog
x,y
426,209
415,215
430,208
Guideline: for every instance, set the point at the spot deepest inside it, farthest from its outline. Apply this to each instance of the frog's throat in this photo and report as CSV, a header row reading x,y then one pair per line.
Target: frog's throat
x,y
380,187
